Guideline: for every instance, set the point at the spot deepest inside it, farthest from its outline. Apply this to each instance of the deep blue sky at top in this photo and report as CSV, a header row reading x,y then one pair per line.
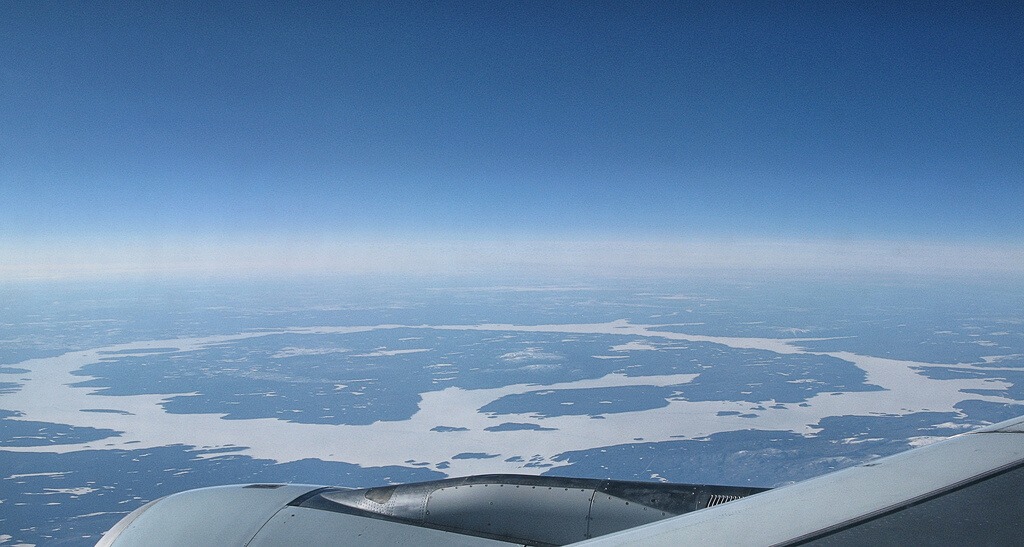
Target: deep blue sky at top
x,y
513,119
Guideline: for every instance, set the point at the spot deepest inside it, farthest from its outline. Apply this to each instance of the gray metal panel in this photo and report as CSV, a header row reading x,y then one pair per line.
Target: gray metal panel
x,y
406,501
610,514
223,515
988,512
531,509
108,537
312,527
513,511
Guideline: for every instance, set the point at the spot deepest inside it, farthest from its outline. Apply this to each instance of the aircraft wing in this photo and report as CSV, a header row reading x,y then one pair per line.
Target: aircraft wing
x,y
966,489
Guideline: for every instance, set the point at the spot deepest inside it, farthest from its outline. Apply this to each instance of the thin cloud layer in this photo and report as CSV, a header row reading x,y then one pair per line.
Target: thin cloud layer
x,y
92,259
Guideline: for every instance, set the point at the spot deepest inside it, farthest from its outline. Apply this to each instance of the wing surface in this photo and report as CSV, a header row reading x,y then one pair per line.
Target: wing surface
x,y
967,489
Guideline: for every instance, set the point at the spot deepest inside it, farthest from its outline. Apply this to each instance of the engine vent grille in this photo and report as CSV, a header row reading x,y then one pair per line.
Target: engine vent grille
x,y
718,499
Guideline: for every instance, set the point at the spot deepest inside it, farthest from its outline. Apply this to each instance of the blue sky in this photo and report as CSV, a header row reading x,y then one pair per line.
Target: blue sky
x,y
139,135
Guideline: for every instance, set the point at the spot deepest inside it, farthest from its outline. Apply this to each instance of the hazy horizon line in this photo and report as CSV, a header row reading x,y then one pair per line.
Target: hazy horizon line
x,y
593,258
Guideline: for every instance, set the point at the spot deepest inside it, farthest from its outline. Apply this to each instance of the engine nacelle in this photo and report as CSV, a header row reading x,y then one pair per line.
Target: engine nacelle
x,y
479,510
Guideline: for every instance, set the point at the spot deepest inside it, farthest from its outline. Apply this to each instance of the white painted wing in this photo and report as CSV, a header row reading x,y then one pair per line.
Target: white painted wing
x,y
965,490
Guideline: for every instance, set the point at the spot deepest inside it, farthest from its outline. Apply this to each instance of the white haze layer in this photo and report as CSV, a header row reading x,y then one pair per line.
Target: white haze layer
x,y
48,396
